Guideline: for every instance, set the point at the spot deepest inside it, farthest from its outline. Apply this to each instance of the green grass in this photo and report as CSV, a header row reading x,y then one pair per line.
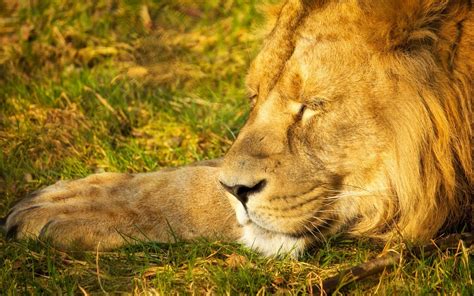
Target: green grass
x,y
136,86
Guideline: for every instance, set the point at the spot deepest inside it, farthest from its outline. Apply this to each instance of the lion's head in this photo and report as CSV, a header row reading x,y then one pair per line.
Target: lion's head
x,y
360,122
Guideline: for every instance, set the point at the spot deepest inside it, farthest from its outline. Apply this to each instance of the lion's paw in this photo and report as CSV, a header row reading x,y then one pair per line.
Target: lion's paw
x,y
33,214
69,212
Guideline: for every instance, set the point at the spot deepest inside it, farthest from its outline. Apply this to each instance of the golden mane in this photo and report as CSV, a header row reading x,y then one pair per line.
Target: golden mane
x,y
433,45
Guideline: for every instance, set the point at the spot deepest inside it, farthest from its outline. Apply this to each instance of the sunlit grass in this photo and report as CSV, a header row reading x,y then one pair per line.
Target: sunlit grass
x,y
90,86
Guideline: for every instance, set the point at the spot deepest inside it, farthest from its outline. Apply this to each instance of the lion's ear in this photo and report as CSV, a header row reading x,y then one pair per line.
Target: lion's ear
x,y
410,24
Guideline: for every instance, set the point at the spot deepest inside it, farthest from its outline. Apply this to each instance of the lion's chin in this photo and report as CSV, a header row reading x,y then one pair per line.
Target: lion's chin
x,y
266,241
271,243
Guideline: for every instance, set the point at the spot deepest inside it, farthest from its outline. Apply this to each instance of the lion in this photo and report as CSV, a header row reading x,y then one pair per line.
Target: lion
x,y
360,123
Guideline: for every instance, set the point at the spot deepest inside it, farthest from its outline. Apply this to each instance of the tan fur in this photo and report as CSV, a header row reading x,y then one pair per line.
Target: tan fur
x,y
361,122
112,209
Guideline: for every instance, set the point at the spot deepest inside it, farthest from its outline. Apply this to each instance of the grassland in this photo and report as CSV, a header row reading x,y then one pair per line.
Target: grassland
x,y
91,86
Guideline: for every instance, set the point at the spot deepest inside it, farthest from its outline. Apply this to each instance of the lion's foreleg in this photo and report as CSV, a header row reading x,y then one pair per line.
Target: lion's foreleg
x,y
113,209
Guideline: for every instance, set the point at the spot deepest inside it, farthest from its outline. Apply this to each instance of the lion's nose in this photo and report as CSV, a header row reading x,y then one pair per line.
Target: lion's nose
x,y
242,192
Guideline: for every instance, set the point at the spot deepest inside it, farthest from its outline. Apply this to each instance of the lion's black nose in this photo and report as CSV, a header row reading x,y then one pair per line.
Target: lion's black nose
x,y
242,192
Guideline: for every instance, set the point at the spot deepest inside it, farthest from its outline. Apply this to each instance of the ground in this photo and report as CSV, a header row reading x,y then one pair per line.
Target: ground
x,y
134,86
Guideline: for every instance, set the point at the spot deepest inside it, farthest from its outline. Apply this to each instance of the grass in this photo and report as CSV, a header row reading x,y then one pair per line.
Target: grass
x,y
90,86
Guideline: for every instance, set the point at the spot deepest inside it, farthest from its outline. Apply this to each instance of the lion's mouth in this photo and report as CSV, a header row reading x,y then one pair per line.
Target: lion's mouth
x,y
260,212
316,226
315,230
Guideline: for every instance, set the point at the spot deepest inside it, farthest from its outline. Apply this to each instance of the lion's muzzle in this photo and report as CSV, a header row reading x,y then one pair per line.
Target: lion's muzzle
x,y
242,192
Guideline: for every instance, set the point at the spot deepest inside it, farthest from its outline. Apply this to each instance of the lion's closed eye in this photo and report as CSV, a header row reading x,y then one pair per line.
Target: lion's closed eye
x,y
309,108
301,112
252,99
